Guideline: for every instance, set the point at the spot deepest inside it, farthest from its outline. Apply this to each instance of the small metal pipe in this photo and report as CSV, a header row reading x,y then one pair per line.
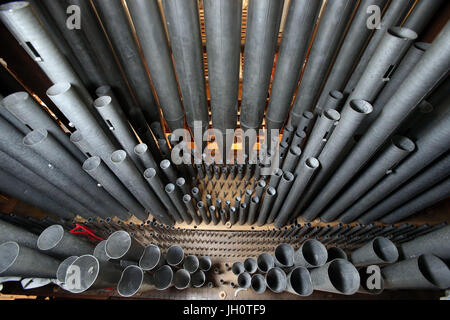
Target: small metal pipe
x,y
213,214
169,171
203,213
187,199
254,205
11,232
291,160
266,206
175,197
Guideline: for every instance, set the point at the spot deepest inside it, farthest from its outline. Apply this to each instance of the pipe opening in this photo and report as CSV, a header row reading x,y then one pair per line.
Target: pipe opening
x,y
284,253
88,268
300,281
258,284
308,115
296,151
198,279
91,164
301,134
276,280
187,198
149,173
118,156
62,268
170,188
140,149
385,249
76,137
237,268
434,270
361,106
336,94
404,33
265,262
343,276
50,237
200,205
100,251
332,114
118,244
175,255
205,263
12,6
314,253
271,191
165,164
103,90
288,176
250,265
312,163
102,102
131,281
191,264
403,143
151,257
163,278
9,251
58,89
244,280
35,137
182,279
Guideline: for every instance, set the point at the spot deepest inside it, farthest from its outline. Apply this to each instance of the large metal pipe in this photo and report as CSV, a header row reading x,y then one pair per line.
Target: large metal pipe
x,y
96,168
258,283
433,174
263,24
26,27
175,256
10,232
120,245
182,15
26,110
299,282
163,278
331,29
430,145
205,263
291,160
284,255
100,251
379,250
191,264
55,241
430,69
152,258
182,279
290,207
265,262
93,274
297,35
352,45
392,17
338,276
7,115
422,13
134,280
283,191
114,19
435,242
266,205
311,254
276,280
439,192
388,159
44,144
424,272
21,261
152,38
62,268
336,253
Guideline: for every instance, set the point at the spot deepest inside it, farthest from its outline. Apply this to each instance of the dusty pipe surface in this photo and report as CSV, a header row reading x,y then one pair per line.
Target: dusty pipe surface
x,y
12,119
422,14
388,159
20,261
297,34
133,281
299,282
120,245
152,258
378,251
423,77
311,254
56,241
423,272
10,232
338,276
263,24
150,31
276,280
435,242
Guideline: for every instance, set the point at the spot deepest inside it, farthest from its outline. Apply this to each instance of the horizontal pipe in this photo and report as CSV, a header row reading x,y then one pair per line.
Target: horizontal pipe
x,y
134,280
55,241
434,242
11,232
284,255
276,280
299,282
182,279
152,258
120,245
12,119
175,256
258,284
311,254
338,276
61,273
380,250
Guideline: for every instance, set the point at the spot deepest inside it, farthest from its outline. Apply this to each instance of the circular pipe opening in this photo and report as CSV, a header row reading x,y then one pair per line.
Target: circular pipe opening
x,y
244,280
289,177
434,270
237,268
131,281
34,137
361,106
336,94
163,278
149,173
343,276
118,244
175,255
198,279
250,265
58,89
271,191
170,188
385,249
140,149
50,237
403,143
165,164
258,284
182,279
308,115
265,262
88,268
276,280
62,269
102,102
205,263
332,114
300,281
404,33
91,164
9,251
314,253
191,264
284,253
150,258
76,137
423,46
187,198
312,163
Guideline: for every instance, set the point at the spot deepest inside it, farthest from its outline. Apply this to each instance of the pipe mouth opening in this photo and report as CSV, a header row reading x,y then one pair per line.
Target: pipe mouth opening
x,y
276,280
262,184
288,176
200,205
237,268
182,279
100,251
250,265
151,257
361,106
50,237
308,115
187,198
258,284
336,253
301,134
198,279
58,89
118,156
243,205
403,143
244,280
88,268
92,163
131,281
336,94
205,263
149,173
195,190
15,99
312,163
284,253
403,33
278,172
102,102
343,276
255,200
140,149
163,278
165,164
289,128
118,244
191,264
76,136
425,107
103,90
61,272
180,182
332,114
175,255
170,188
13,6
265,262
9,251
385,249
271,191
35,137
314,253
300,281
296,151
423,46
434,270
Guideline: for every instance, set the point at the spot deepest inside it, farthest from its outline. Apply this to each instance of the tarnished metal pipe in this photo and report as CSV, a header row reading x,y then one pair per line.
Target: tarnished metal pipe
x,y
265,262
435,242
120,245
187,199
56,241
311,254
282,192
237,268
299,282
276,280
134,280
336,253
258,283
378,251
250,265
10,232
175,256
284,255
198,279
337,276
152,258
266,205
163,278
